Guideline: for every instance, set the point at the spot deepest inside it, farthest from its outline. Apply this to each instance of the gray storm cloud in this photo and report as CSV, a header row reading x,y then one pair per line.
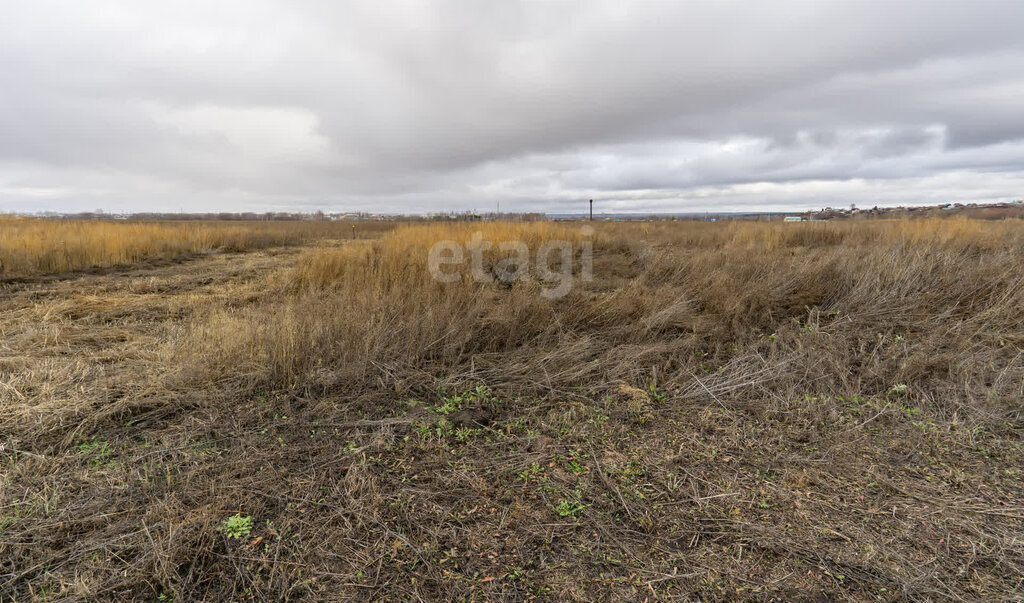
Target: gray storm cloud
x,y
263,105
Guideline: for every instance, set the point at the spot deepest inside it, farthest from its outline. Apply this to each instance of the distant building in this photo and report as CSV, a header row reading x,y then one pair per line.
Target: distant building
x,y
792,219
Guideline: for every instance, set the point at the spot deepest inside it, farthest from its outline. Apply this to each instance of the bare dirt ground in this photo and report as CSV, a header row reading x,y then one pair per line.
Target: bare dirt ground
x,y
118,473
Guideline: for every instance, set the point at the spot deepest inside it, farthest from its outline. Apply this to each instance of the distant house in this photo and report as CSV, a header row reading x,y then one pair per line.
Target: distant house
x,y
792,219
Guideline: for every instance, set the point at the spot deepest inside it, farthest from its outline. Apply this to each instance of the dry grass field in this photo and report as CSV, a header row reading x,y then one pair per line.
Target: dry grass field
x,y
34,246
724,411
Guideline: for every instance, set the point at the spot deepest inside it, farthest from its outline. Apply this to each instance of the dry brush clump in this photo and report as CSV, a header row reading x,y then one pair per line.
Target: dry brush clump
x,y
34,245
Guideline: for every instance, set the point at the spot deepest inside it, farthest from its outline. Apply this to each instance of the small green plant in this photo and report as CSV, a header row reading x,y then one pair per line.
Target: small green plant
x,y
236,526
900,389
261,395
100,447
444,428
516,574
479,396
530,473
95,450
925,426
572,461
449,405
571,506
657,396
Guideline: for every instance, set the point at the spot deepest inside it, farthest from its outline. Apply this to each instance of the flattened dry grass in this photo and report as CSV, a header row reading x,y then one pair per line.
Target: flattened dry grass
x,y
727,411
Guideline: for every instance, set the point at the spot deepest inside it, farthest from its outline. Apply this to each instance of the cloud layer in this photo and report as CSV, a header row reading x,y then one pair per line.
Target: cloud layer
x,y
262,105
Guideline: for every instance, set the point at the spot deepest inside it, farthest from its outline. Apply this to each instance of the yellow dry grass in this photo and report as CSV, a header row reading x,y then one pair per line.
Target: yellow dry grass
x,y
399,258
343,309
35,246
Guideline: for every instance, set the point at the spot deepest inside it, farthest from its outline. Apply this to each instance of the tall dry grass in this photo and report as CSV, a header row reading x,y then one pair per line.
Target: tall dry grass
x,y
34,245
670,300
399,260
345,308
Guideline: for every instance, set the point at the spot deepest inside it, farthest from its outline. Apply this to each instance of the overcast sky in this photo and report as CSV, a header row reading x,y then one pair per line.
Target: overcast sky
x,y
257,105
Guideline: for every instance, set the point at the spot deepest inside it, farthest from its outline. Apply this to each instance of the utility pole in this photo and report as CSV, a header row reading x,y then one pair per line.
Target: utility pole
x,y
591,210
